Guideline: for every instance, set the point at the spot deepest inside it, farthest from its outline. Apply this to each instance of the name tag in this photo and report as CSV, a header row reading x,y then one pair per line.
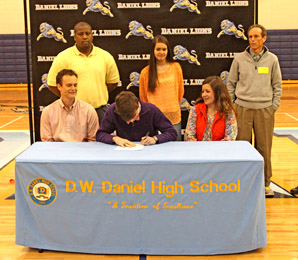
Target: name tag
x,y
263,70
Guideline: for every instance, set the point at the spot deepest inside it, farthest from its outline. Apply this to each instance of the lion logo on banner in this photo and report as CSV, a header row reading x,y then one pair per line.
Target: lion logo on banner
x,y
181,53
134,78
48,31
229,28
191,6
96,6
138,29
44,80
224,76
184,105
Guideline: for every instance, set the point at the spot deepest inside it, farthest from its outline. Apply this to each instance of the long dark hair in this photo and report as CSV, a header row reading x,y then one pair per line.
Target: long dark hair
x,y
222,99
153,77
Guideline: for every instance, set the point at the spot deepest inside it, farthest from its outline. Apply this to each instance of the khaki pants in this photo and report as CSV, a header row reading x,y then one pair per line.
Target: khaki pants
x,y
261,121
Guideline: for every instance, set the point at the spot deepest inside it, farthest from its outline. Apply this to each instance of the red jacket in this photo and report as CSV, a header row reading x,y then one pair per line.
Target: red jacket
x,y
218,125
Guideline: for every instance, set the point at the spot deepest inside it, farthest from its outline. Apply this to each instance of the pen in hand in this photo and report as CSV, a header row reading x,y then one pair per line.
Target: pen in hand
x,y
147,135
144,140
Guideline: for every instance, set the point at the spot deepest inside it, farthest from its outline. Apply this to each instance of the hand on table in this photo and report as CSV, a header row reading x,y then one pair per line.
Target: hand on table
x,y
123,142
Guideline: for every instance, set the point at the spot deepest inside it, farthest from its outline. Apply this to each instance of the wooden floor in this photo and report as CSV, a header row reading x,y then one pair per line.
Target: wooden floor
x,y
282,214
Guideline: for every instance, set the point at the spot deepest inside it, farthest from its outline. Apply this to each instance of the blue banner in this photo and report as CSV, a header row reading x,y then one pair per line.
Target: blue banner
x,y
180,198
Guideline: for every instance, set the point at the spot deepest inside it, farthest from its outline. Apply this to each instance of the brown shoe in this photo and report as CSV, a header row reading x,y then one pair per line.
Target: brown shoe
x,y
294,191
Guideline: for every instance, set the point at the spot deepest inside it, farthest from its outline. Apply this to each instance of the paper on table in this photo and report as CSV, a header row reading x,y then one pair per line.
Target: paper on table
x,y
137,147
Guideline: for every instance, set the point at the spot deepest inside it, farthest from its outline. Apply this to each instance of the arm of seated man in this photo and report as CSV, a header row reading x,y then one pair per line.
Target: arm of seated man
x,y
163,124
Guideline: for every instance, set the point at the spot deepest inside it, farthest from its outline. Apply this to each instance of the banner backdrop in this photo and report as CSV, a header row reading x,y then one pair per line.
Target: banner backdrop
x,y
204,37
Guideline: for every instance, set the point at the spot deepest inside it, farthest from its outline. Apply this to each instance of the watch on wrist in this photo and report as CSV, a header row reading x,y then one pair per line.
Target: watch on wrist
x,y
156,139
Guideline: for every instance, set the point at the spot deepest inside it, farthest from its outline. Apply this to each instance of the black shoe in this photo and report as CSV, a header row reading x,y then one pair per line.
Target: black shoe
x,y
294,191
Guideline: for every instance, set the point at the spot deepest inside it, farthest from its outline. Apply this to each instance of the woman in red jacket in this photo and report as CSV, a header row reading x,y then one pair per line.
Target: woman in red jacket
x,y
213,117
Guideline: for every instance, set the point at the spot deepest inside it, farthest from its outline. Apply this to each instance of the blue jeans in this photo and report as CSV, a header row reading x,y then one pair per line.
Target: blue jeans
x,y
101,112
178,130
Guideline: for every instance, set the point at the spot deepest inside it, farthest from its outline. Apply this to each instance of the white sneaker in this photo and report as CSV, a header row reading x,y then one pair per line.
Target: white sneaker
x,y
268,192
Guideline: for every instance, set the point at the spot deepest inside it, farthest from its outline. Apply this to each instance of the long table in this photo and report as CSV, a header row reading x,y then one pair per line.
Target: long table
x,y
177,198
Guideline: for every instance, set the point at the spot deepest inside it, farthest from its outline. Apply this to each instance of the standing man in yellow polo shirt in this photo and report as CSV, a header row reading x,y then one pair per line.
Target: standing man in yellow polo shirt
x,y
96,68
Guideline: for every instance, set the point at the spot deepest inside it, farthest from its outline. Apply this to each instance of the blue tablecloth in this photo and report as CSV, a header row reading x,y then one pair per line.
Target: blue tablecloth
x,y
177,198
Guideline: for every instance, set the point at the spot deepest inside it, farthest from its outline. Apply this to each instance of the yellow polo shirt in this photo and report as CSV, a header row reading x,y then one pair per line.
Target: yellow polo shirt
x,y
94,72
